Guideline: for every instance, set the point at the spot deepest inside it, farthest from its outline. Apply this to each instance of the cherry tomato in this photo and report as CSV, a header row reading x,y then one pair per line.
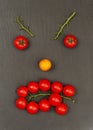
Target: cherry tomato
x,y
22,91
21,103
55,99
21,42
45,64
33,87
69,90
62,109
32,108
44,84
70,41
44,105
57,87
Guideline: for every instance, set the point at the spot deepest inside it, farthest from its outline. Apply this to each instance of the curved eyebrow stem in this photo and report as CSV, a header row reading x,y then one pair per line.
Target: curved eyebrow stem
x,y
60,31
23,27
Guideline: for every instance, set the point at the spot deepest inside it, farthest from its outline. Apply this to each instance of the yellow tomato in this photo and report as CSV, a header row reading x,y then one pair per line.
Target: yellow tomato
x,y
45,64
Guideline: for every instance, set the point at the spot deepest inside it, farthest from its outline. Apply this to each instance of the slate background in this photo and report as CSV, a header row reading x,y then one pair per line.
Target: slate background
x,y
71,66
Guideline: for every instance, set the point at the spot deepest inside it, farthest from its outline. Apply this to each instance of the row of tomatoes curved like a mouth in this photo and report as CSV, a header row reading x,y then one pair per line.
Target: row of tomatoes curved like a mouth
x,y
52,94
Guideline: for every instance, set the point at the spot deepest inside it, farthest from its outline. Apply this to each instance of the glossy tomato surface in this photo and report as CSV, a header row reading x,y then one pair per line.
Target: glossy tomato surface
x,y
21,42
44,105
62,109
57,87
21,103
55,99
33,87
32,107
44,85
69,90
22,91
70,41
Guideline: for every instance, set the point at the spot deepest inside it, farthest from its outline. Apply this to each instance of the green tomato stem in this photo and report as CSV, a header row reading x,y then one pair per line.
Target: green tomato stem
x,y
60,31
68,98
23,27
30,96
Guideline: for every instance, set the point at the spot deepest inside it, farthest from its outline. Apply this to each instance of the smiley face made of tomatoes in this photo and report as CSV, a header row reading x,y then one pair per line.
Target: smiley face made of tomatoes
x,y
52,94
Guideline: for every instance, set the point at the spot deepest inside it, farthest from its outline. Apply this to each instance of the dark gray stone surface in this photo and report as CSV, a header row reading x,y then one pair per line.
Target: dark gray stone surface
x,y
72,66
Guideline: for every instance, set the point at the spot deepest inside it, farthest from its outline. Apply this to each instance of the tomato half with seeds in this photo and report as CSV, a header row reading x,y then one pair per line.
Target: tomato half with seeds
x,y
70,41
21,42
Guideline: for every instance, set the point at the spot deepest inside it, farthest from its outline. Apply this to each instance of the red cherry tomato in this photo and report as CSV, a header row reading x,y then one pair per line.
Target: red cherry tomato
x,y
69,90
21,103
33,87
32,108
44,105
44,85
21,42
57,87
70,41
62,109
22,91
55,99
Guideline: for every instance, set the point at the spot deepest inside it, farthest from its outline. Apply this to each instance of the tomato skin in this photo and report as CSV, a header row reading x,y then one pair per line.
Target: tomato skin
x,y
33,87
57,87
69,90
21,42
55,99
21,103
45,65
62,109
70,41
44,85
22,91
44,105
32,107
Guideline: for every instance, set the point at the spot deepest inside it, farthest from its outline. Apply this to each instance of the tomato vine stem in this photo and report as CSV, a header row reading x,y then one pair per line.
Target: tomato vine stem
x,y
60,31
23,27
68,98
30,96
